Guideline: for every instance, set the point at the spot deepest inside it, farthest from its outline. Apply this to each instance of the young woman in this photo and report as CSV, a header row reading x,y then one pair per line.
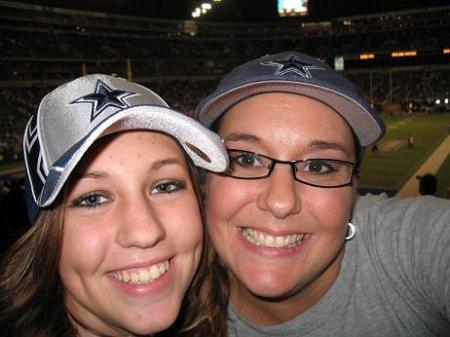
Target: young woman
x,y
116,234
298,253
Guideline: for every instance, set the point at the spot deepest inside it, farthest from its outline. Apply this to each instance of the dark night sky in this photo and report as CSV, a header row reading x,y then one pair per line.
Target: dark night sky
x,y
239,10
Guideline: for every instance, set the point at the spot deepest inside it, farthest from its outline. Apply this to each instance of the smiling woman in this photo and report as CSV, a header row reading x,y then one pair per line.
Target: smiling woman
x,y
123,254
298,252
117,230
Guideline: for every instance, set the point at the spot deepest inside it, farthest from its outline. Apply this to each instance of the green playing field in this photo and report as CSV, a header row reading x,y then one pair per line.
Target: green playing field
x,y
394,162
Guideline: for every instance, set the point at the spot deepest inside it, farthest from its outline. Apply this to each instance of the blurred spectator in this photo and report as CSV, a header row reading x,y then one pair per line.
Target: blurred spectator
x,y
427,184
410,141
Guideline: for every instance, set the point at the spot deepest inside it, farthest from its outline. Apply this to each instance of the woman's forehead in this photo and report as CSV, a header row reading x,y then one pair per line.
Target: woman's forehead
x,y
150,146
281,114
286,124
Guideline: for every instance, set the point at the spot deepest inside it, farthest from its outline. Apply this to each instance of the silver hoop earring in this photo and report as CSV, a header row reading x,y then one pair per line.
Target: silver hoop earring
x,y
351,231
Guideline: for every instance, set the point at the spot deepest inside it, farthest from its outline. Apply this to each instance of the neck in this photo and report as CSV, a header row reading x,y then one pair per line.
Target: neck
x,y
274,311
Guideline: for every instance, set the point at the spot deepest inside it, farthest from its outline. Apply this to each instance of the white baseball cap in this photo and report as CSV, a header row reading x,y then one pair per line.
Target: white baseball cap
x,y
75,114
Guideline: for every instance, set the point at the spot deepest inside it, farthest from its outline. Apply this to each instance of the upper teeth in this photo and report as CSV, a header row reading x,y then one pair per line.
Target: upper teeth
x,y
279,241
145,275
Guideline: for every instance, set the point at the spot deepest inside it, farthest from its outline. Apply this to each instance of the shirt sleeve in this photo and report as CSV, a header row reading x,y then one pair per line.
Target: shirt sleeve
x,y
411,237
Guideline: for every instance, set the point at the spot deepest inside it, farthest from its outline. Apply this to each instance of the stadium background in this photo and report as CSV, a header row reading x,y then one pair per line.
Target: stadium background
x,y
397,52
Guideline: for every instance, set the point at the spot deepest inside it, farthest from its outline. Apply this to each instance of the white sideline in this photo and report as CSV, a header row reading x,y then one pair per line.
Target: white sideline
x,y
431,165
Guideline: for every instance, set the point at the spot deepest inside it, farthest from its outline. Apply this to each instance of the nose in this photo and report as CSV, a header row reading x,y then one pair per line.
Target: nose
x,y
280,195
140,224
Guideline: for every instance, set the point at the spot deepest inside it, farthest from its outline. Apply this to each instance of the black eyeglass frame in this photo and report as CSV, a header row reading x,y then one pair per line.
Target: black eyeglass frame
x,y
292,164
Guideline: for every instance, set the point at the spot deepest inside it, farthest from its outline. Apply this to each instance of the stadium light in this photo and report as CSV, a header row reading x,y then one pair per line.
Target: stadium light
x,y
196,13
366,56
407,53
446,101
203,8
438,101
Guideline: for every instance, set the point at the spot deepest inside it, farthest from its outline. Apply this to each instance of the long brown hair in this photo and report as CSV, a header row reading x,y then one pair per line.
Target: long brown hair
x,y
31,298
206,308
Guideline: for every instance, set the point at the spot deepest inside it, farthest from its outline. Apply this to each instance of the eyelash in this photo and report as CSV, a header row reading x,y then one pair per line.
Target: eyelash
x,y
84,202
175,185
81,200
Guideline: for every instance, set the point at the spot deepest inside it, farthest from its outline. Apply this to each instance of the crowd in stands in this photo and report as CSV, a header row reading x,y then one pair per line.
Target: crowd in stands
x,y
50,43
422,89
42,47
16,107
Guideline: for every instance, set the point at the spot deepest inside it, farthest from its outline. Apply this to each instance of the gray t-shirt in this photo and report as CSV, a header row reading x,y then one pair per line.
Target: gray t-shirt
x,y
394,280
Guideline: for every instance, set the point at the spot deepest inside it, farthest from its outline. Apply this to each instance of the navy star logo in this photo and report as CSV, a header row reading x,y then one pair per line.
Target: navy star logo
x,y
103,98
292,64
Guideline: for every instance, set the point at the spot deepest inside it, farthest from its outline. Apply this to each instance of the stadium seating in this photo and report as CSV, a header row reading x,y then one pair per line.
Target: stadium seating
x,y
182,61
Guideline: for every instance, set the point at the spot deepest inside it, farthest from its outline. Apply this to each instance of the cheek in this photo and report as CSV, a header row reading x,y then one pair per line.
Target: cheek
x,y
184,233
225,197
83,250
227,202
184,226
330,207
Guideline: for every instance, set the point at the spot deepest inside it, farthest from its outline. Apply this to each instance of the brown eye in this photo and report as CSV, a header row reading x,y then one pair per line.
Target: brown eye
x,y
320,166
90,200
168,187
246,159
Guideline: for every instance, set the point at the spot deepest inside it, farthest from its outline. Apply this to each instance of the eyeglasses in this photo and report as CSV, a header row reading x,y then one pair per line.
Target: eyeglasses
x,y
317,172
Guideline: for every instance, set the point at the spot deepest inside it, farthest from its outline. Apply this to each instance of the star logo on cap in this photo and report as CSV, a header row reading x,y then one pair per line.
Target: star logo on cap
x,y
292,65
103,98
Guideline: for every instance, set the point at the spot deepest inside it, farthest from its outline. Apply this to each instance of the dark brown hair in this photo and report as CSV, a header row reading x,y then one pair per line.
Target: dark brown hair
x,y
31,298
205,311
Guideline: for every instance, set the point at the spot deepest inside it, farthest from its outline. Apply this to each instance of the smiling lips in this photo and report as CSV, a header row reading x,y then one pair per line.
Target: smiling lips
x,y
261,239
143,275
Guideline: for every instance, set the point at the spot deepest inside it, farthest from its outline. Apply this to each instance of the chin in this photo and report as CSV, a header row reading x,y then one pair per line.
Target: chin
x,y
149,328
263,290
159,319
273,294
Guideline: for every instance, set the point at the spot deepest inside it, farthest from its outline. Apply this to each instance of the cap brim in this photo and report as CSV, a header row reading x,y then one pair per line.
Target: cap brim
x,y
203,146
365,126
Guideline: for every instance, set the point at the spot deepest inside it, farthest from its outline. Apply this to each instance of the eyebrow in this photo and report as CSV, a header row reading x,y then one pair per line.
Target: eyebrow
x,y
322,144
163,162
242,136
154,167
318,144
93,175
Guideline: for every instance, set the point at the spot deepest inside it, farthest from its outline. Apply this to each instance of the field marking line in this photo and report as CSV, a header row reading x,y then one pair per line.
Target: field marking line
x,y
431,165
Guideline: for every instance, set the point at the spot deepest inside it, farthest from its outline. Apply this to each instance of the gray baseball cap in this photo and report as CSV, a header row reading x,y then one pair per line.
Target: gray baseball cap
x,y
297,73
74,115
